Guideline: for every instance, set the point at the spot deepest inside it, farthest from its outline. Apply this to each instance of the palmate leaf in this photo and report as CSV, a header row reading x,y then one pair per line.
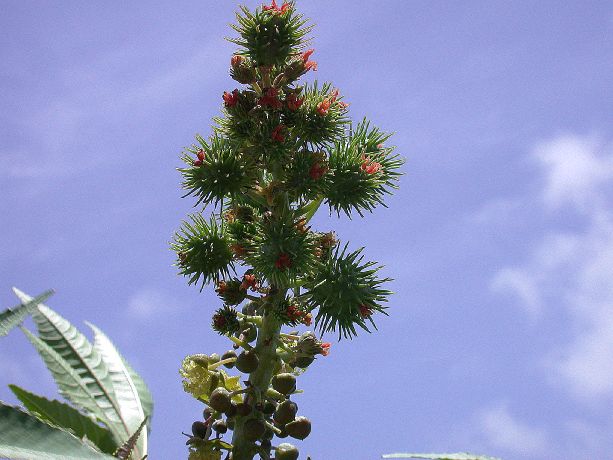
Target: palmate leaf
x,y
25,437
66,417
11,317
458,456
86,362
126,393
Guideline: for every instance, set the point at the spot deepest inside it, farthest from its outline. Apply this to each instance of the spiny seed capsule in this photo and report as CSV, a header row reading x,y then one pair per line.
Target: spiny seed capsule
x,y
247,362
254,429
220,426
284,383
243,409
199,429
227,355
220,400
286,451
286,412
299,428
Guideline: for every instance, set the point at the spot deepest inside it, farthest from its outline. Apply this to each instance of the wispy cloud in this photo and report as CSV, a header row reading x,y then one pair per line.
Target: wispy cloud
x,y
573,269
150,304
503,431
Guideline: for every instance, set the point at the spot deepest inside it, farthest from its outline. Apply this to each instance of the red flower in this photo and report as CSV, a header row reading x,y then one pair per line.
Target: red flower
x,y
249,281
368,166
238,250
200,154
273,8
219,321
317,171
343,105
277,134
323,107
230,99
198,162
325,348
294,102
334,95
283,261
308,65
271,99
365,311
293,313
236,60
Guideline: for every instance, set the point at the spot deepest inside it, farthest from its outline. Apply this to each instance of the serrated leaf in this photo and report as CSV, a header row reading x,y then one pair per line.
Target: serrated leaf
x,y
86,361
143,392
11,317
126,394
24,437
457,456
65,416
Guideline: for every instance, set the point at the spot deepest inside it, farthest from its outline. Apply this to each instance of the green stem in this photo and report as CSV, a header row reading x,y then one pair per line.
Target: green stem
x,y
265,348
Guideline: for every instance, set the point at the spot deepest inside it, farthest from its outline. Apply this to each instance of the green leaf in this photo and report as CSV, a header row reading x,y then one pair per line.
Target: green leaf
x,y
70,384
65,416
458,456
126,393
24,437
144,394
11,317
74,348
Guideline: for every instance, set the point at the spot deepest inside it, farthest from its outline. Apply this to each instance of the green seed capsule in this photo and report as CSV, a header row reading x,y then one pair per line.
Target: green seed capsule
x,y
286,412
220,400
284,383
299,428
247,362
286,451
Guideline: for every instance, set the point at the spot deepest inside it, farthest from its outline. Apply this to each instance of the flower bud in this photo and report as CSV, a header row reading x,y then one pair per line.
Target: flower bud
x,y
286,412
247,361
284,383
199,429
286,451
220,427
220,400
299,428
254,429
227,355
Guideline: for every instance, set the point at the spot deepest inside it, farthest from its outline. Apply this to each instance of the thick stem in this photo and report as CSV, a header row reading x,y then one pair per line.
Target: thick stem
x,y
266,346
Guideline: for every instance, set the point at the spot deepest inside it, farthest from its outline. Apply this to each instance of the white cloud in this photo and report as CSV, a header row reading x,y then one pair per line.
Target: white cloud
x,y
150,303
575,168
502,430
572,272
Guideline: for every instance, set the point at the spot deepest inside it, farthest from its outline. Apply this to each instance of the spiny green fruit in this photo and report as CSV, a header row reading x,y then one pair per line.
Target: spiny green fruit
x,y
199,429
243,409
286,451
227,355
247,361
220,427
220,400
286,412
254,429
299,428
284,383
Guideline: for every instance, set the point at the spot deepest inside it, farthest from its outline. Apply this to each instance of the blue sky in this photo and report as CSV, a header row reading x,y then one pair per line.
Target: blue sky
x,y
500,239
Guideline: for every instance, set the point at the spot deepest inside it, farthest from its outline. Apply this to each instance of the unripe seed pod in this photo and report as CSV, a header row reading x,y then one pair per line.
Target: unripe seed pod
x,y
199,429
254,429
231,412
286,412
284,383
299,428
286,451
243,409
302,361
227,355
200,360
220,426
220,400
247,361
269,408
